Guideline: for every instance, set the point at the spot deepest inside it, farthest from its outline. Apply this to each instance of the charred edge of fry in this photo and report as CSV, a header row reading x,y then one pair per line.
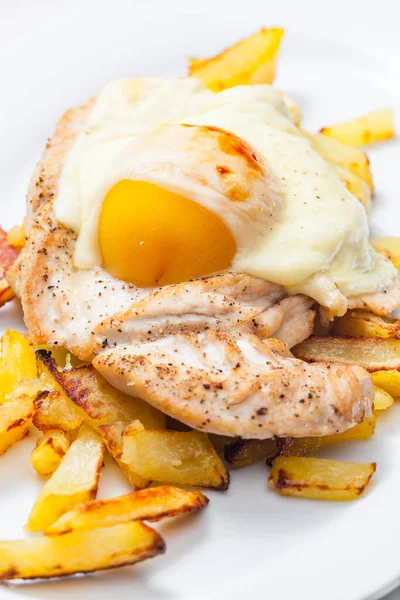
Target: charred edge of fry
x,y
197,501
71,390
19,422
158,547
283,448
232,450
284,482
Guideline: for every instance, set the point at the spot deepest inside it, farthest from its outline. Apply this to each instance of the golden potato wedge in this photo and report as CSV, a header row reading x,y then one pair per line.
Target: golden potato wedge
x,y
152,504
54,410
75,481
6,292
250,61
179,457
241,453
15,421
365,324
374,354
78,552
17,362
112,435
104,408
101,403
308,445
25,387
16,236
8,254
389,381
49,451
382,400
390,247
356,186
375,126
319,478
352,159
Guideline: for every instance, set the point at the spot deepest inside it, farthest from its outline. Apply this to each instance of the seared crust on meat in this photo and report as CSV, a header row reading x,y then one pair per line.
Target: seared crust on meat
x,y
240,385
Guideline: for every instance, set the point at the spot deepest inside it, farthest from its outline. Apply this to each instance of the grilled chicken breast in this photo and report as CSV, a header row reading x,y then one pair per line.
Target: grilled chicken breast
x,y
202,350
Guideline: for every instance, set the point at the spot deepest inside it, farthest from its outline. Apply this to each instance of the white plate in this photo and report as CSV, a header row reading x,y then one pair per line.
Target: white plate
x,y
337,64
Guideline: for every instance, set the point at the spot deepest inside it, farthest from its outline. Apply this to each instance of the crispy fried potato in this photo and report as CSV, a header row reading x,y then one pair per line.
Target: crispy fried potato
x,y
6,292
390,247
319,478
374,354
25,387
389,381
250,61
49,451
112,435
17,362
78,552
179,457
152,504
16,237
366,324
241,453
308,445
356,186
101,403
15,421
54,410
104,408
74,482
376,126
382,400
351,159
8,255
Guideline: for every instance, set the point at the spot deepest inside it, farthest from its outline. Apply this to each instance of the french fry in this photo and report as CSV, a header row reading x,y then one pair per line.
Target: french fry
x,y
178,457
15,421
16,236
104,408
49,451
356,186
25,387
389,381
366,324
390,247
75,481
8,255
375,126
6,292
151,504
351,159
54,410
308,445
241,453
374,354
101,403
78,552
112,435
319,479
382,400
17,362
250,61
